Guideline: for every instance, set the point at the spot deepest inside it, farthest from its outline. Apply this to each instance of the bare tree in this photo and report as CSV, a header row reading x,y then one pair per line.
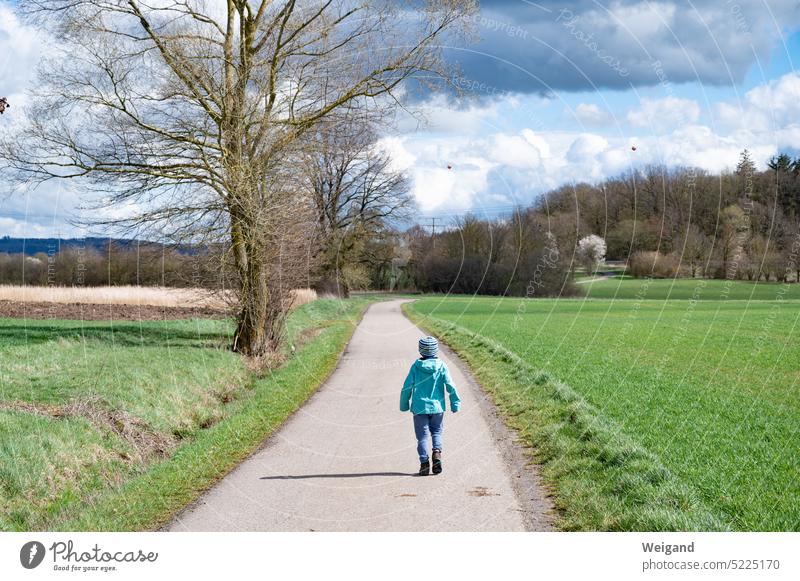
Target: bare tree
x,y
729,242
693,247
189,115
355,193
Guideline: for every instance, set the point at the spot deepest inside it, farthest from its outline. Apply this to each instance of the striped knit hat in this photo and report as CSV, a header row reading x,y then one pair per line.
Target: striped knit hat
x,y
428,347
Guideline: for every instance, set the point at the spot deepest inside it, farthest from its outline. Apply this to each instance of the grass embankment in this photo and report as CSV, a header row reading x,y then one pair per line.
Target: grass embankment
x,y
117,426
646,415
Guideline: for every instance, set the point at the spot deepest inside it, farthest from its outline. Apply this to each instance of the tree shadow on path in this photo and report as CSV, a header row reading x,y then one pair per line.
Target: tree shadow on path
x,y
356,475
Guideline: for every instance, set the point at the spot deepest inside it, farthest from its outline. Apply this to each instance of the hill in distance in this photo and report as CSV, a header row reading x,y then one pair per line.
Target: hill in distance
x,y
31,246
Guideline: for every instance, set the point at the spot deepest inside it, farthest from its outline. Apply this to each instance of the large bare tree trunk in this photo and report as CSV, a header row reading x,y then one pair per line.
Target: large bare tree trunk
x,y
251,321
262,308
262,300
259,324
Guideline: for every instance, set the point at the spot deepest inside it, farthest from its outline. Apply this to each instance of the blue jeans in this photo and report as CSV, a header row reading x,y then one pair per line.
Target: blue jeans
x,y
424,423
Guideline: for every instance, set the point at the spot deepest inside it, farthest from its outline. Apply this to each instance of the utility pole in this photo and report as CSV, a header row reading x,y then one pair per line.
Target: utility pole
x,y
433,231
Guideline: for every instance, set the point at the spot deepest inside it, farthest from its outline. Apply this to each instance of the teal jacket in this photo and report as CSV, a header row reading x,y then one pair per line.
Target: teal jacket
x,y
423,389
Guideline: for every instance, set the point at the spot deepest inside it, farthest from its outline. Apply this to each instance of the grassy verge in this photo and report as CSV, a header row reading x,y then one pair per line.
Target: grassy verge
x,y
122,425
603,479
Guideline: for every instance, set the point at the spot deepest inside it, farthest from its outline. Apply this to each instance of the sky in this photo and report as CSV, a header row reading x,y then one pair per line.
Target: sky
x,y
552,93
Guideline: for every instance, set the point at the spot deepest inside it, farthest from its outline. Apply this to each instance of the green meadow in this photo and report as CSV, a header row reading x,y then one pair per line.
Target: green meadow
x,y
647,413
116,426
689,289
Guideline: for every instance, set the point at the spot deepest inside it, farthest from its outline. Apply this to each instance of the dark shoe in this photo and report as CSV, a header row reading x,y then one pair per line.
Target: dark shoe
x,y
424,468
437,461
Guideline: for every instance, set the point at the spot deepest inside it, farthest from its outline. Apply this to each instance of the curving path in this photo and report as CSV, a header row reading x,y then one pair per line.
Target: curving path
x,y
346,460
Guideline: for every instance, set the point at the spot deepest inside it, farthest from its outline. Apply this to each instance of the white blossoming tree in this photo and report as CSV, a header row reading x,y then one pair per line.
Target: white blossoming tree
x,y
591,252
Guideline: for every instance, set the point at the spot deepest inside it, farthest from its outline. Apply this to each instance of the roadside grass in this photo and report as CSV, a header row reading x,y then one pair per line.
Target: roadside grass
x,y
689,289
169,374
646,415
118,426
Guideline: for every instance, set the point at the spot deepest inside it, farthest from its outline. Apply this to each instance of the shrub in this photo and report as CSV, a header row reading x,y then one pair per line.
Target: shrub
x,y
653,264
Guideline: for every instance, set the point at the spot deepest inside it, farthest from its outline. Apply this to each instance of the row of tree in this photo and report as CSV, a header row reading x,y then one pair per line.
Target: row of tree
x,y
145,265
517,257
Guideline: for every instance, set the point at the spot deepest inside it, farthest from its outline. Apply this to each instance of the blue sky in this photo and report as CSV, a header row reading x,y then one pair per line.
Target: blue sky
x,y
553,93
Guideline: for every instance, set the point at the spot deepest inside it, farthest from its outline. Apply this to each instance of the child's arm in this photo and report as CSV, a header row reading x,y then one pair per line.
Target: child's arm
x,y
455,401
405,393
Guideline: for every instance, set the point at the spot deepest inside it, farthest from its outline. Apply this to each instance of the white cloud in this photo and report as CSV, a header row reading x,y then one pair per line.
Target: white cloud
x,y
773,106
442,114
514,151
584,156
697,145
401,158
447,173
538,142
437,188
660,115
515,166
23,229
21,48
590,114
586,147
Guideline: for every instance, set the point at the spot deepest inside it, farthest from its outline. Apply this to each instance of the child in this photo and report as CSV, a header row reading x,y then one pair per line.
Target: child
x,y
424,389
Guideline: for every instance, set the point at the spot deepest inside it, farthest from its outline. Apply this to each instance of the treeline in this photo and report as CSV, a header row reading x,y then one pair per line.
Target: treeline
x,y
146,265
662,222
516,257
688,222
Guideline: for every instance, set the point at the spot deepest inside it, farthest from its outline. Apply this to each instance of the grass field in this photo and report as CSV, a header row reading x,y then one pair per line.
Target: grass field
x,y
688,289
116,426
705,390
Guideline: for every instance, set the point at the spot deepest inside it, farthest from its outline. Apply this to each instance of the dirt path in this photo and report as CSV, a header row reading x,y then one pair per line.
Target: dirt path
x,y
595,279
346,460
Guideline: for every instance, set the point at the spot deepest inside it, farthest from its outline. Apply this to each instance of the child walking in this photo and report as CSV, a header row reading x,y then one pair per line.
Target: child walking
x,y
423,393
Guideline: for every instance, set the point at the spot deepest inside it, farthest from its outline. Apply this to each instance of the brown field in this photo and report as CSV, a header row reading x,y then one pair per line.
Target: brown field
x,y
122,303
113,295
108,312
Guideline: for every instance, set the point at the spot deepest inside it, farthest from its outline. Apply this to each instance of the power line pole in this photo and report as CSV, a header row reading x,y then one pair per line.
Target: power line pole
x,y
433,231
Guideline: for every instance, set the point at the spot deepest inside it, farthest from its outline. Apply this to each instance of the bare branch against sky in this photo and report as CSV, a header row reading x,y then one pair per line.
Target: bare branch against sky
x,y
187,117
